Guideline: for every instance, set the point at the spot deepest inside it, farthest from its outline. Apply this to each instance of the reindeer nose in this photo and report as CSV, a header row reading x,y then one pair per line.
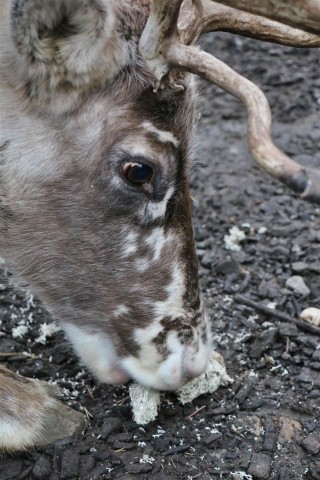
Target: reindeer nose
x,y
194,363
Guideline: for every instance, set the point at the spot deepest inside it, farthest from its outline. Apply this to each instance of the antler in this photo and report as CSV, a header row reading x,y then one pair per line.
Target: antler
x,y
166,43
303,14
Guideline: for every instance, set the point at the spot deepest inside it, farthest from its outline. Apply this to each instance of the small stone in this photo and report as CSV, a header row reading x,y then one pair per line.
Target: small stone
x,y
260,466
211,438
314,236
42,468
312,443
299,267
101,471
87,464
112,425
270,436
297,284
228,267
10,469
102,454
121,437
139,468
289,430
305,376
262,342
311,315
314,469
70,464
160,476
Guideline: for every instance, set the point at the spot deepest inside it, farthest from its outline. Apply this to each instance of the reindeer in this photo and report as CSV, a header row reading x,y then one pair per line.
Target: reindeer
x,y
98,113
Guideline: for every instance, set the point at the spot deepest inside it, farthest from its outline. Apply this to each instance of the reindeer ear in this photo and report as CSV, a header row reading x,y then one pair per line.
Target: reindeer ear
x,y
65,40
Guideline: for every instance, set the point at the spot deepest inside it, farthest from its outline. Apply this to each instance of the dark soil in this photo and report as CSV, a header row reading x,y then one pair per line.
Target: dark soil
x,y
267,424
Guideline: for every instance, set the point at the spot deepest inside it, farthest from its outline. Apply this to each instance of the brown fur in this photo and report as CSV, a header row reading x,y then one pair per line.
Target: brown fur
x,y
74,97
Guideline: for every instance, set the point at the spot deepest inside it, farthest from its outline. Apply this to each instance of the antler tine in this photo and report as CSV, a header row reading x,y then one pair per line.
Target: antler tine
x,y
304,181
217,17
161,26
165,45
303,14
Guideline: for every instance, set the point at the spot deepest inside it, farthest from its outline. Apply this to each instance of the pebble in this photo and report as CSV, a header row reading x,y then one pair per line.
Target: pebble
x,y
297,284
112,425
260,466
299,267
101,471
70,464
87,464
289,430
312,443
42,469
314,469
314,236
270,435
161,476
305,376
10,469
311,315
211,438
121,437
139,468
262,342
228,267
102,454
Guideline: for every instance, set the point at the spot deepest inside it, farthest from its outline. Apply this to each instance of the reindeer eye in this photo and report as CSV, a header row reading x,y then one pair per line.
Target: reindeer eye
x,y
137,173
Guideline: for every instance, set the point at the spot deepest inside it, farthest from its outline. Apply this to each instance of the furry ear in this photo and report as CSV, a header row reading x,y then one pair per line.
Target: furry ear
x,y
63,42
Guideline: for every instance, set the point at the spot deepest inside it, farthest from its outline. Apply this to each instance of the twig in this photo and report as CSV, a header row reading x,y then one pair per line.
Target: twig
x,y
189,417
283,317
85,410
19,355
89,391
122,401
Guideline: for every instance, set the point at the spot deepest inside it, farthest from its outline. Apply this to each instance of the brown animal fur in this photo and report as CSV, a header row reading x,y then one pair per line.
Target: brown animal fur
x,y
77,101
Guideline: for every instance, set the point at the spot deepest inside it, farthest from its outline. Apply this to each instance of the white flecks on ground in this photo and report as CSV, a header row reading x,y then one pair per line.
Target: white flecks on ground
x,y
147,459
47,330
262,230
297,284
241,475
145,401
23,325
311,315
19,331
232,241
272,305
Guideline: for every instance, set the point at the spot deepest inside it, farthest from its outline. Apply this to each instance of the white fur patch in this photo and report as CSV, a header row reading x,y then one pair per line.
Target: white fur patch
x,y
119,311
162,135
131,245
157,210
156,240
173,305
97,352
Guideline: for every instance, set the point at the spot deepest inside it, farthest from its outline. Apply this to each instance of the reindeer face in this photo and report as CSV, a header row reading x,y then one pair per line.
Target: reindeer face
x,y
96,214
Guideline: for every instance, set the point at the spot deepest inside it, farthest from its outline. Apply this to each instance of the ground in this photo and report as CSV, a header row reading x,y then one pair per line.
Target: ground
x,y
266,425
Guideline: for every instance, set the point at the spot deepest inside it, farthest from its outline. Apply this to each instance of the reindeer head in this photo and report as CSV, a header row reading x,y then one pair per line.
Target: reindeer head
x,y
96,208
97,123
